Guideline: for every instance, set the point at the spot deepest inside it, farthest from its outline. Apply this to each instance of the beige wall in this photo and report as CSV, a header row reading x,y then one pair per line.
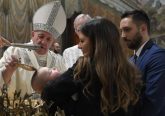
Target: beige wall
x,y
16,19
16,16
95,8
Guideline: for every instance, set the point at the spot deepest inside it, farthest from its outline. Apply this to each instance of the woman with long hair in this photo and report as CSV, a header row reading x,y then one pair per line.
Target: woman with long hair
x,y
102,82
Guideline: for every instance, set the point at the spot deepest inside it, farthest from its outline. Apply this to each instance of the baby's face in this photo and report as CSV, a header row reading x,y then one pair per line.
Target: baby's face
x,y
44,75
48,73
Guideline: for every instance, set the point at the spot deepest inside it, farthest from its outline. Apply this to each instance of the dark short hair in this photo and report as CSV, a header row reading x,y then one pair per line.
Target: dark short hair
x,y
138,16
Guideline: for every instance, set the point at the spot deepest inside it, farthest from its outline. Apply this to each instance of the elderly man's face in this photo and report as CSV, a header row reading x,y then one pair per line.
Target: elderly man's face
x,y
44,39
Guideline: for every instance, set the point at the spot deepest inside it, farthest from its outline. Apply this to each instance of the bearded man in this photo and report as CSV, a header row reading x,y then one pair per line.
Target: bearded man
x,y
149,59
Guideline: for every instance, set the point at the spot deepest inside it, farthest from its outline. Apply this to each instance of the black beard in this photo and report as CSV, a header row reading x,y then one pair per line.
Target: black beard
x,y
136,42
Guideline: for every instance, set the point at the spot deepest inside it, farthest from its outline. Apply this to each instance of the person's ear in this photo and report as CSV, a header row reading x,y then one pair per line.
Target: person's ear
x,y
33,33
143,28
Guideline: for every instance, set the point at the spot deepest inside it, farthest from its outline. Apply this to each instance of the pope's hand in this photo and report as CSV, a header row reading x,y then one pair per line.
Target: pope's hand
x,y
11,63
10,67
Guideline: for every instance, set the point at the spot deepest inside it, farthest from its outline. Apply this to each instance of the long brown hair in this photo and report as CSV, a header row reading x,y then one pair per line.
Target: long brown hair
x,y
117,76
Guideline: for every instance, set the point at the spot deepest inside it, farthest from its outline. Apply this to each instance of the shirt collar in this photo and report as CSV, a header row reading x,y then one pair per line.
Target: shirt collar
x,y
140,49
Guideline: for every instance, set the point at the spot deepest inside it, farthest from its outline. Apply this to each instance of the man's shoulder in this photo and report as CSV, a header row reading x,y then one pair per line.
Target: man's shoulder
x,y
155,54
52,54
72,48
13,49
157,49
73,52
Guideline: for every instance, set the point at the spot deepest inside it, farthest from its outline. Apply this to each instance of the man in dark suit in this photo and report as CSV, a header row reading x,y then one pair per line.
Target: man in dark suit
x,y
149,58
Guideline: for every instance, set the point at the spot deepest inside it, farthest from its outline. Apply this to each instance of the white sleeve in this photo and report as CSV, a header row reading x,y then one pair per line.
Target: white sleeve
x,y
60,63
66,58
3,61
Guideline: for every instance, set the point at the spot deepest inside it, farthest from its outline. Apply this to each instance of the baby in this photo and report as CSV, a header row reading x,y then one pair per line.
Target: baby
x,y
42,76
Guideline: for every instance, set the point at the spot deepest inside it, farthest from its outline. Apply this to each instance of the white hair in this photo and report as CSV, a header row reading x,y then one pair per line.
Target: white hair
x,y
81,19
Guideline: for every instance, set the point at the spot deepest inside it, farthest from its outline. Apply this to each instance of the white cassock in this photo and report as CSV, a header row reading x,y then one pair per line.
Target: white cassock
x,y
71,55
21,78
